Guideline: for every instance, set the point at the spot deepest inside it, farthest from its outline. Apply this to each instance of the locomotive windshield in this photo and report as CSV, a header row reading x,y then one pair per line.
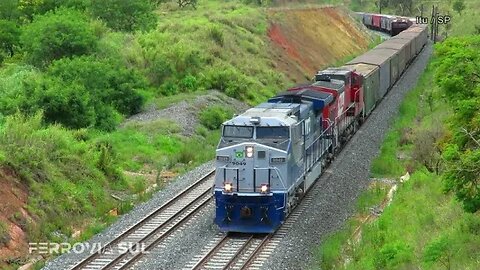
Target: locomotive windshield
x,y
238,131
272,132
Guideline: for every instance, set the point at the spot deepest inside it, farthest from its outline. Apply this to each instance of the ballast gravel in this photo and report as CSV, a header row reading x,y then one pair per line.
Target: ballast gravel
x,y
335,194
337,190
185,113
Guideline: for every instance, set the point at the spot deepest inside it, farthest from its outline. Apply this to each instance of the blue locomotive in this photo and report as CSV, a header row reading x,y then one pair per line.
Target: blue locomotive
x,y
261,167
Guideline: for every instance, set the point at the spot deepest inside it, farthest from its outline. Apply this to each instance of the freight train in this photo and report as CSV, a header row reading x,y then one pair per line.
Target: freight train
x,y
269,156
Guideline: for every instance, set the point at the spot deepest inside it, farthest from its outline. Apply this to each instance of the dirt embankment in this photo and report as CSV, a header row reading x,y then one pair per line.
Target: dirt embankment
x,y
306,40
13,217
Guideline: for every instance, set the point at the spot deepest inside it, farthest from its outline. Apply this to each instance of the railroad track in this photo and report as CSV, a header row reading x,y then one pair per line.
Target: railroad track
x,y
232,251
235,251
127,248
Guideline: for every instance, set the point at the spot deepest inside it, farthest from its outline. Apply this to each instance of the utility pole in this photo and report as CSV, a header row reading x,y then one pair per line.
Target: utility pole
x,y
421,10
380,6
431,22
436,23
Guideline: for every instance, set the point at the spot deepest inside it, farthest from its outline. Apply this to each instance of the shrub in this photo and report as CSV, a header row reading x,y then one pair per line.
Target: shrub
x,y
228,80
391,255
68,104
189,83
169,88
439,250
125,15
110,88
213,117
9,36
9,10
4,233
60,33
217,35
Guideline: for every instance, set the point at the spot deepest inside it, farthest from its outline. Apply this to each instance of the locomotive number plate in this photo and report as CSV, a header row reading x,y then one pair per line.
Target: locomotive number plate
x,y
239,163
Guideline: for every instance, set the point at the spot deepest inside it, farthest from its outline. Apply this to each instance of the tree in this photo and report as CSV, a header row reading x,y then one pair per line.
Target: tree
x,y
106,80
9,36
68,104
112,88
458,6
58,34
30,8
9,10
184,3
125,15
457,74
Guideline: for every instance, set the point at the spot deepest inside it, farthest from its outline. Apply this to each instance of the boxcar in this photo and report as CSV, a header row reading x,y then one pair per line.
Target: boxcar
x,y
383,63
394,66
385,23
402,48
410,46
376,21
371,83
367,19
422,35
415,41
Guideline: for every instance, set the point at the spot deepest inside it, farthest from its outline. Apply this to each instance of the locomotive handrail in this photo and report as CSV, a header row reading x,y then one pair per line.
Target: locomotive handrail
x,y
225,168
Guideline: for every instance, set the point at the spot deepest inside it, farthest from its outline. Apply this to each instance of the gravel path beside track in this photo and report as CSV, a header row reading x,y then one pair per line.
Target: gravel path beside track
x,y
346,178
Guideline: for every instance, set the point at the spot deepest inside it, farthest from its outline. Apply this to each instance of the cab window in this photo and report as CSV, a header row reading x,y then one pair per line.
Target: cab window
x,y
273,133
238,131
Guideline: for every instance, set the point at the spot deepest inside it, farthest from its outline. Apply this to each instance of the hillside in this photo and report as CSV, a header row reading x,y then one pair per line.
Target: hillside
x,y
95,122
306,40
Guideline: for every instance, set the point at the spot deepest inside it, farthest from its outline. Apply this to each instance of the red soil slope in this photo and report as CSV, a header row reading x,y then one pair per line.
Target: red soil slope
x,y
13,199
306,40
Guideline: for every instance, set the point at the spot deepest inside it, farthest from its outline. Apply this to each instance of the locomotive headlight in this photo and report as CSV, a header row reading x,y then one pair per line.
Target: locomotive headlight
x,y
264,188
228,187
249,151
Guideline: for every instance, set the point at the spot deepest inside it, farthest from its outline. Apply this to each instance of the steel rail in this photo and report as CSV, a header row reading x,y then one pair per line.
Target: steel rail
x,y
139,224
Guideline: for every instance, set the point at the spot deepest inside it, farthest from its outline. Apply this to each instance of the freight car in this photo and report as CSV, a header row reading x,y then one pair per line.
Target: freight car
x,y
392,25
269,156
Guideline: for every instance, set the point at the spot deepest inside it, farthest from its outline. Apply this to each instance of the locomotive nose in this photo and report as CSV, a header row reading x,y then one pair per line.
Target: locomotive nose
x,y
246,212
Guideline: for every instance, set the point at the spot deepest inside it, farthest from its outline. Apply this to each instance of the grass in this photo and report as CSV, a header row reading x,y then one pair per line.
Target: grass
x,y
423,227
63,175
387,163
4,233
157,145
403,236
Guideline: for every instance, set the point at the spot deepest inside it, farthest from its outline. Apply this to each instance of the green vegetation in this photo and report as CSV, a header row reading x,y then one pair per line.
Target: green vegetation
x,y
457,75
213,117
159,145
426,226
124,15
58,34
68,175
4,233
